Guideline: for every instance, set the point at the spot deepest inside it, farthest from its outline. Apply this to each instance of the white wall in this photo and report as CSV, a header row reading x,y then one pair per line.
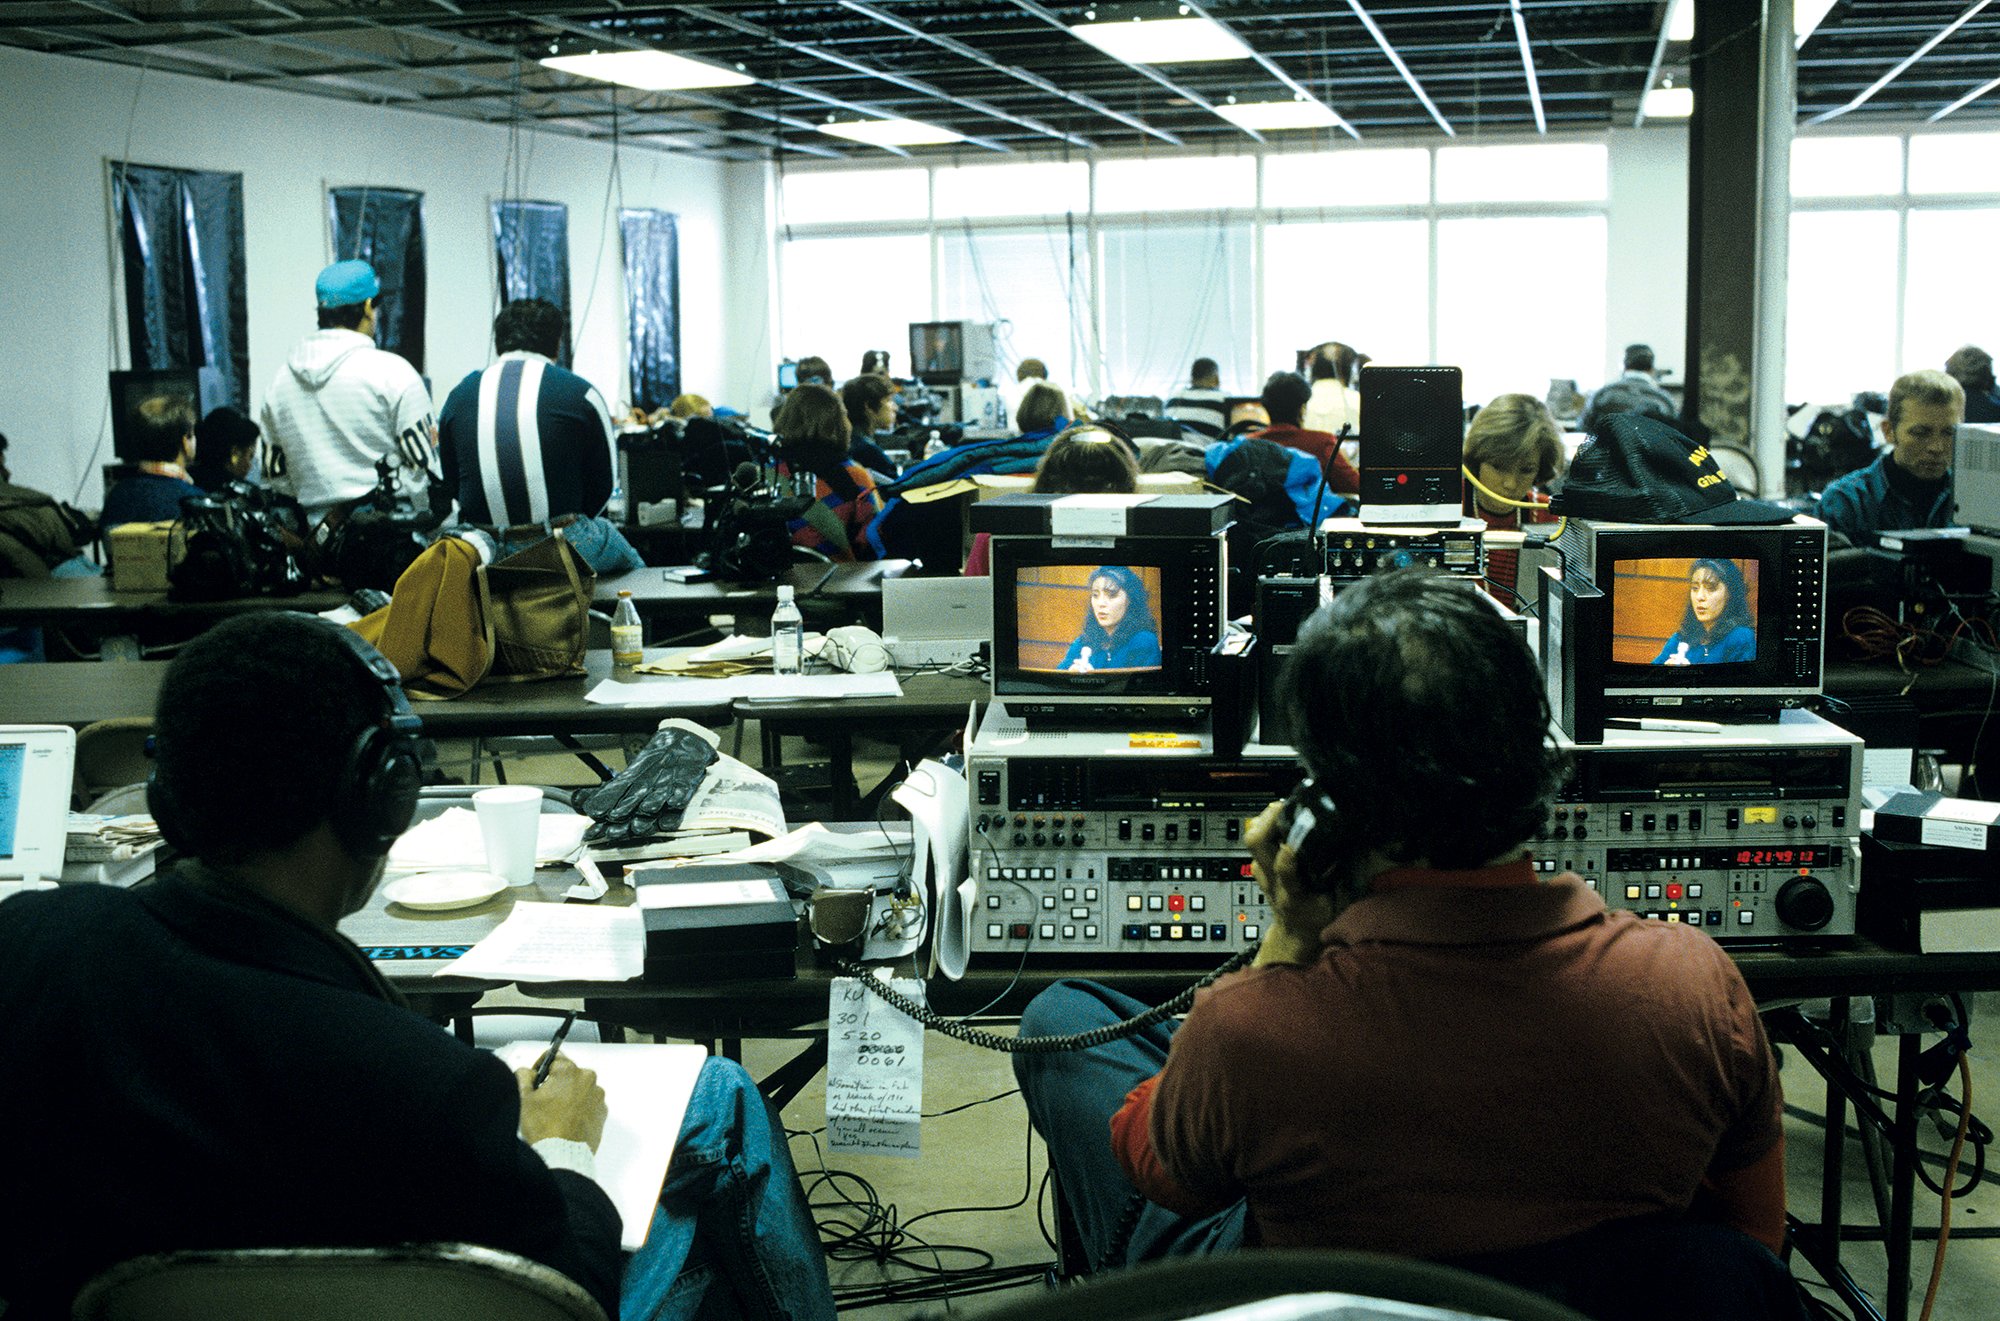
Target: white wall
x,y
1646,285
67,117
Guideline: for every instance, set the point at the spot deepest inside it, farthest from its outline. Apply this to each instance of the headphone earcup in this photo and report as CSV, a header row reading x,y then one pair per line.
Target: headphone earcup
x,y
379,793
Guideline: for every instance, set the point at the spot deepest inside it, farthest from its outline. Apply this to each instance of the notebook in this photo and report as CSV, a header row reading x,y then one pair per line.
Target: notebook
x,y
936,621
36,763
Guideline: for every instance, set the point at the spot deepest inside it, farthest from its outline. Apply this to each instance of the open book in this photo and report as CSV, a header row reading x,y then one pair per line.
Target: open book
x,y
646,1090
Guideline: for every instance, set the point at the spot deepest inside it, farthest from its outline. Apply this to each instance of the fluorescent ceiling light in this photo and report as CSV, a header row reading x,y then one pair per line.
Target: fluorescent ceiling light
x,y
1278,114
648,70
1164,40
1680,23
1669,103
1807,15
892,132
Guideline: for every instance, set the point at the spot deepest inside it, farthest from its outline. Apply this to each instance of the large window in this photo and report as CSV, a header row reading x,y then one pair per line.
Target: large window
x,y
1520,301
1173,293
844,296
1889,272
1118,272
1034,282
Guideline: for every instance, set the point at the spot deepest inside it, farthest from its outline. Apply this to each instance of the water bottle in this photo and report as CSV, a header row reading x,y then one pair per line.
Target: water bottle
x,y
788,635
627,636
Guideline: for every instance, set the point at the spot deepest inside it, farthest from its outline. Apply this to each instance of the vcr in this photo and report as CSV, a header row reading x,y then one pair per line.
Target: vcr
x,y
1123,856
1752,832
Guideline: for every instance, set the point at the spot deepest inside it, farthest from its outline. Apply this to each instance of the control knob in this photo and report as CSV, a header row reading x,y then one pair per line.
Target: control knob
x,y
1791,822
1019,839
1041,840
1805,904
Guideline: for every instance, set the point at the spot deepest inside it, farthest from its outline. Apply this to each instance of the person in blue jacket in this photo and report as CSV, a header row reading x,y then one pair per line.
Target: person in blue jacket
x,y
1717,627
1119,632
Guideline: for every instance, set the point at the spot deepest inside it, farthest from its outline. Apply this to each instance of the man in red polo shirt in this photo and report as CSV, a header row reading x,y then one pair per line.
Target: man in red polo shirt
x,y
1437,1052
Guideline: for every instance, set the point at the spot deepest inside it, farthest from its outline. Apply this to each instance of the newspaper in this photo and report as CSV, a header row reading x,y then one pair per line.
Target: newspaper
x,y
732,796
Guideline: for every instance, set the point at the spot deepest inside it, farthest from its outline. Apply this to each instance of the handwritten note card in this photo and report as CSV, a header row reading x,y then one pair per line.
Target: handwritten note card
x,y
874,1072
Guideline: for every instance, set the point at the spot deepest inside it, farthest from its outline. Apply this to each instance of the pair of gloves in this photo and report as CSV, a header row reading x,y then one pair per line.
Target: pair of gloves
x,y
648,797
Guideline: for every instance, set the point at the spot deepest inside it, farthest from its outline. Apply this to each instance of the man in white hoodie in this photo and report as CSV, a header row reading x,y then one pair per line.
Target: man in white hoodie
x,y
340,404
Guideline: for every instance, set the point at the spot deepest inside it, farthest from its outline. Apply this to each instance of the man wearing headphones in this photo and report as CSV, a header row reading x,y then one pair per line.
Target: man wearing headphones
x,y
205,1062
1437,1052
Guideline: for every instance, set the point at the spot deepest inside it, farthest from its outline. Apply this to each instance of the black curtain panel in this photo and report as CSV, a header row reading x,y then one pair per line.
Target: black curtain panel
x,y
653,290
531,241
385,228
182,236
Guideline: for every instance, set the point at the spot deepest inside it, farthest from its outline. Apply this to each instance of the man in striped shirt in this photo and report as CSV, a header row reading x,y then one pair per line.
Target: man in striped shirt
x,y
525,441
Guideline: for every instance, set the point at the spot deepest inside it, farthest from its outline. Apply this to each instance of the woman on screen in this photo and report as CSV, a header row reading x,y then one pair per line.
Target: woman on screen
x,y
1717,627
1119,632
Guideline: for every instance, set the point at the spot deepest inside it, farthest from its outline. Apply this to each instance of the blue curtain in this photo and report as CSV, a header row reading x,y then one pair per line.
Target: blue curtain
x,y
653,291
385,228
182,234
531,241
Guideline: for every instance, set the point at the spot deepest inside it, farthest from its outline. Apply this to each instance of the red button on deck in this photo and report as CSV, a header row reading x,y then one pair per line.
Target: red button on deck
x,y
1402,479
1247,870
1176,903
1673,892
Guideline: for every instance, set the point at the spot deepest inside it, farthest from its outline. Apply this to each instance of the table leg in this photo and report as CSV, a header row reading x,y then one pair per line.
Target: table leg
x,y
1903,1177
1830,1209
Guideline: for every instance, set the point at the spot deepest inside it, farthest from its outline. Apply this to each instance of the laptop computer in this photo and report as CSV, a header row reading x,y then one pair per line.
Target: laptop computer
x,y
936,621
36,762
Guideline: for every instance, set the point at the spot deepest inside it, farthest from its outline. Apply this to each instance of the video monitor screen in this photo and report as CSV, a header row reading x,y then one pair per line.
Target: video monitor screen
x,y
788,376
13,765
1684,611
937,349
1088,619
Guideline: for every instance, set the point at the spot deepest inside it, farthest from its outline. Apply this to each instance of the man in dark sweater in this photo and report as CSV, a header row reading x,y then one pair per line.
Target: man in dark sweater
x,y
1910,485
218,1067
162,443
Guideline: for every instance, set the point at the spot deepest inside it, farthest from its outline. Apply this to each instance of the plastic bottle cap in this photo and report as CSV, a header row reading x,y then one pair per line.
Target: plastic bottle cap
x,y
624,591
784,593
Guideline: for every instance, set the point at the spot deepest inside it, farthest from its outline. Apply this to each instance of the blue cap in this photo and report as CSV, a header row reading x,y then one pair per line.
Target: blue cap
x,y
346,283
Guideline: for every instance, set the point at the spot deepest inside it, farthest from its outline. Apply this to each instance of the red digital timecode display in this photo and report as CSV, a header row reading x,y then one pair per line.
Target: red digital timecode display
x,y
1785,857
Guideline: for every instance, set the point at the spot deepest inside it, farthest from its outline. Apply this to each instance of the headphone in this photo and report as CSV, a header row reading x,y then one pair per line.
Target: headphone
x,y
375,797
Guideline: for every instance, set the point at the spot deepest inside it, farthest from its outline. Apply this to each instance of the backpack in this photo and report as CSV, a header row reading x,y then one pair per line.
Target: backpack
x,y
454,621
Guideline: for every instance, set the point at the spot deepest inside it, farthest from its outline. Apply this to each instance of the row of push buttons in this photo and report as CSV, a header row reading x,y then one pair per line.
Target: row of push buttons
x,y
1651,821
1171,903
1190,931
1671,890
1171,831
1020,873
1703,917
1020,931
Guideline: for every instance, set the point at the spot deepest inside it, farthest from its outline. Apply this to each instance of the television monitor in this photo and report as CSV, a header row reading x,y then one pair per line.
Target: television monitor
x,y
1106,631
1976,476
202,387
949,352
35,765
1706,622
788,376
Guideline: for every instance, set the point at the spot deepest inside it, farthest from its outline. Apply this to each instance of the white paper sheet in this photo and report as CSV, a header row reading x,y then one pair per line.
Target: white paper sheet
x,y
646,1091
935,797
542,942
663,691
814,841
709,894
874,1072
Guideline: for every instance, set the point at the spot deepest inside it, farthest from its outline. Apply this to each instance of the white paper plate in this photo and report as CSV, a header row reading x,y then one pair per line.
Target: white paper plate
x,y
437,890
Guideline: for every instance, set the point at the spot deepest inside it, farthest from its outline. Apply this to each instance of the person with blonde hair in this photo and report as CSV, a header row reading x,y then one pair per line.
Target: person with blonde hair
x,y
1084,460
690,405
1512,451
1910,485
1043,410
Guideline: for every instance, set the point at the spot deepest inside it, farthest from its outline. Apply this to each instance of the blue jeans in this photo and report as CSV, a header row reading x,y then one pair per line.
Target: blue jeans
x,y
1071,1097
732,1237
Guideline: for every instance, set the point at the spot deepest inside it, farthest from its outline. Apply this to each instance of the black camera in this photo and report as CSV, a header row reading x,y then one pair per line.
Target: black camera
x,y
239,541
750,524
382,534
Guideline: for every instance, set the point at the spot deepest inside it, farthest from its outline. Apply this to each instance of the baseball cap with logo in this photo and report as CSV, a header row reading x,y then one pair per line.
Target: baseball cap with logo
x,y
1638,469
346,283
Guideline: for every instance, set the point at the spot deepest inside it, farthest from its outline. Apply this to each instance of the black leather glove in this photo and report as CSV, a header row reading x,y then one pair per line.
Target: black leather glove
x,y
649,795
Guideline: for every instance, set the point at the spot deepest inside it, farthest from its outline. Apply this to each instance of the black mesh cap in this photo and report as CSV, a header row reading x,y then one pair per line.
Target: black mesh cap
x,y
1638,469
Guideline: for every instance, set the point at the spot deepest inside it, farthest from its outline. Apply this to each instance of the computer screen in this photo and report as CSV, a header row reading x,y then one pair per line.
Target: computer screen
x,y
35,767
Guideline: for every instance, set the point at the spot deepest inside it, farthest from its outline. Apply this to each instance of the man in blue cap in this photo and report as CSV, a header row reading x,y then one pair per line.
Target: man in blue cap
x,y
340,404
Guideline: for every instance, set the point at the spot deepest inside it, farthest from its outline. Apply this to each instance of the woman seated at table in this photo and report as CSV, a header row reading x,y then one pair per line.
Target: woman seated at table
x,y
814,438
1717,627
1119,632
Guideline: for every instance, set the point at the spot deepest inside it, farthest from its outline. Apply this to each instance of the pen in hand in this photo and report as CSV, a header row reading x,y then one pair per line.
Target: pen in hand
x,y
548,1059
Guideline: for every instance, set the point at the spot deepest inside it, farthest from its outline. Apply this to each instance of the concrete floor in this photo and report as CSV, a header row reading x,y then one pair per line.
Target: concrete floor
x,y
971,1200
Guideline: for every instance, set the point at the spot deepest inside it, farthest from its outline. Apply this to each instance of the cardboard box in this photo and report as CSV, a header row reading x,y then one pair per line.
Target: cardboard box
x,y
139,556
991,484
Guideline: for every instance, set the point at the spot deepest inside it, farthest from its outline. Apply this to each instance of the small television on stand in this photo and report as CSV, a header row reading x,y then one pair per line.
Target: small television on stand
x,y
201,388
1692,622
953,352
1107,609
